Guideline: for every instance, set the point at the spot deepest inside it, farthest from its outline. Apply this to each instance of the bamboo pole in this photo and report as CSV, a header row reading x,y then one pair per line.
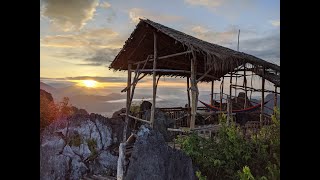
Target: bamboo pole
x,y
235,90
188,91
164,57
245,87
230,89
121,160
275,97
212,91
194,90
221,93
153,107
127,104
262,99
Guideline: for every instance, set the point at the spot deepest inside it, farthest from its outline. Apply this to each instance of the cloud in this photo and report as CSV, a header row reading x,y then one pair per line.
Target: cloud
x,y
96,78
100,38
103,56
136,13
225,38
262,45
90,64
228,8
69,15
105,5
275,22
266,46
206,3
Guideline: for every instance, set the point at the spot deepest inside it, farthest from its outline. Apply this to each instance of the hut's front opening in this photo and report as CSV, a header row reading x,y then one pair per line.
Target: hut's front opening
x,y
156,50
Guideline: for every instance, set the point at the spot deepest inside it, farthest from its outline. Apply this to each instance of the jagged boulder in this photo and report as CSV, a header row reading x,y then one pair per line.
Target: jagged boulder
x,y
74,147
161,123
153,159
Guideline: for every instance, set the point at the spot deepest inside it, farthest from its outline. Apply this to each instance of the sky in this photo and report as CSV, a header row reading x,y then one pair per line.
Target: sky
x,y
80,38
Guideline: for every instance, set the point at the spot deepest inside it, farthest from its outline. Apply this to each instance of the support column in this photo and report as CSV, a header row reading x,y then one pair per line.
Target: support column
x,y
212,91
127,104
188,110
245,86
194,90
230,89
275,97
221,93
262,98
155,56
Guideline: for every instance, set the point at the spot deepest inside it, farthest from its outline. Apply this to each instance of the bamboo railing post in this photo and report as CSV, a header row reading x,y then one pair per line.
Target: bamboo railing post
x,y
212,90
127,104
194,90
262,98
153,107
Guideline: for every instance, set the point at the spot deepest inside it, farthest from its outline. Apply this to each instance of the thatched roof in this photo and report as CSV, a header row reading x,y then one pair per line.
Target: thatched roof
x,y
224,60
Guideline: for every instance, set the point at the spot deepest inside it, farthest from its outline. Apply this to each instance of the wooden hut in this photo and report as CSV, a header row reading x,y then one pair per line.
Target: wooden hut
x,y
157,50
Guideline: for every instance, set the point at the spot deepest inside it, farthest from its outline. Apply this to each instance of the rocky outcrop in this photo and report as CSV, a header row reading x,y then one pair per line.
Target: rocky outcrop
x,y
78,146
153,159
162,122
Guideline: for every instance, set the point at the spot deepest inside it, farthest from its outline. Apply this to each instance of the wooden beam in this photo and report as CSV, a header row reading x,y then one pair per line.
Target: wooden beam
x,y
134,82
139,119
204,75
164,57
136,46
252,89
194,90
153,107
176,71
212,91
127,105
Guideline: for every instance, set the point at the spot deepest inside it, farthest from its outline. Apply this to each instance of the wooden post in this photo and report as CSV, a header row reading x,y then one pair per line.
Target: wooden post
x,y
229,110
153,107
235,90
275,96
262,98
221,92
188,91
127,104
188,110
121,161
194,90
230,89
245,86
212,90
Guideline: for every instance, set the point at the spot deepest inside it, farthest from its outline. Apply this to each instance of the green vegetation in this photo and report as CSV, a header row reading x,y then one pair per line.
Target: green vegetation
x,y
75,140
92,144
229,155
49,111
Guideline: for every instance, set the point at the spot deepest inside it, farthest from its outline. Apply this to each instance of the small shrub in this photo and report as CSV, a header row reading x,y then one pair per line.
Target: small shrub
x,y
245,174
75,140
92,144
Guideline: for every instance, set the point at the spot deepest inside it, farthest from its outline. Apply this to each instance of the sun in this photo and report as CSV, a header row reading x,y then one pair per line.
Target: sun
x,y
89,83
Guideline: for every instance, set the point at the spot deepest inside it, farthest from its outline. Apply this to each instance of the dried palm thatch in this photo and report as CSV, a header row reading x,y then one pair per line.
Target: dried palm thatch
x,y
221,60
